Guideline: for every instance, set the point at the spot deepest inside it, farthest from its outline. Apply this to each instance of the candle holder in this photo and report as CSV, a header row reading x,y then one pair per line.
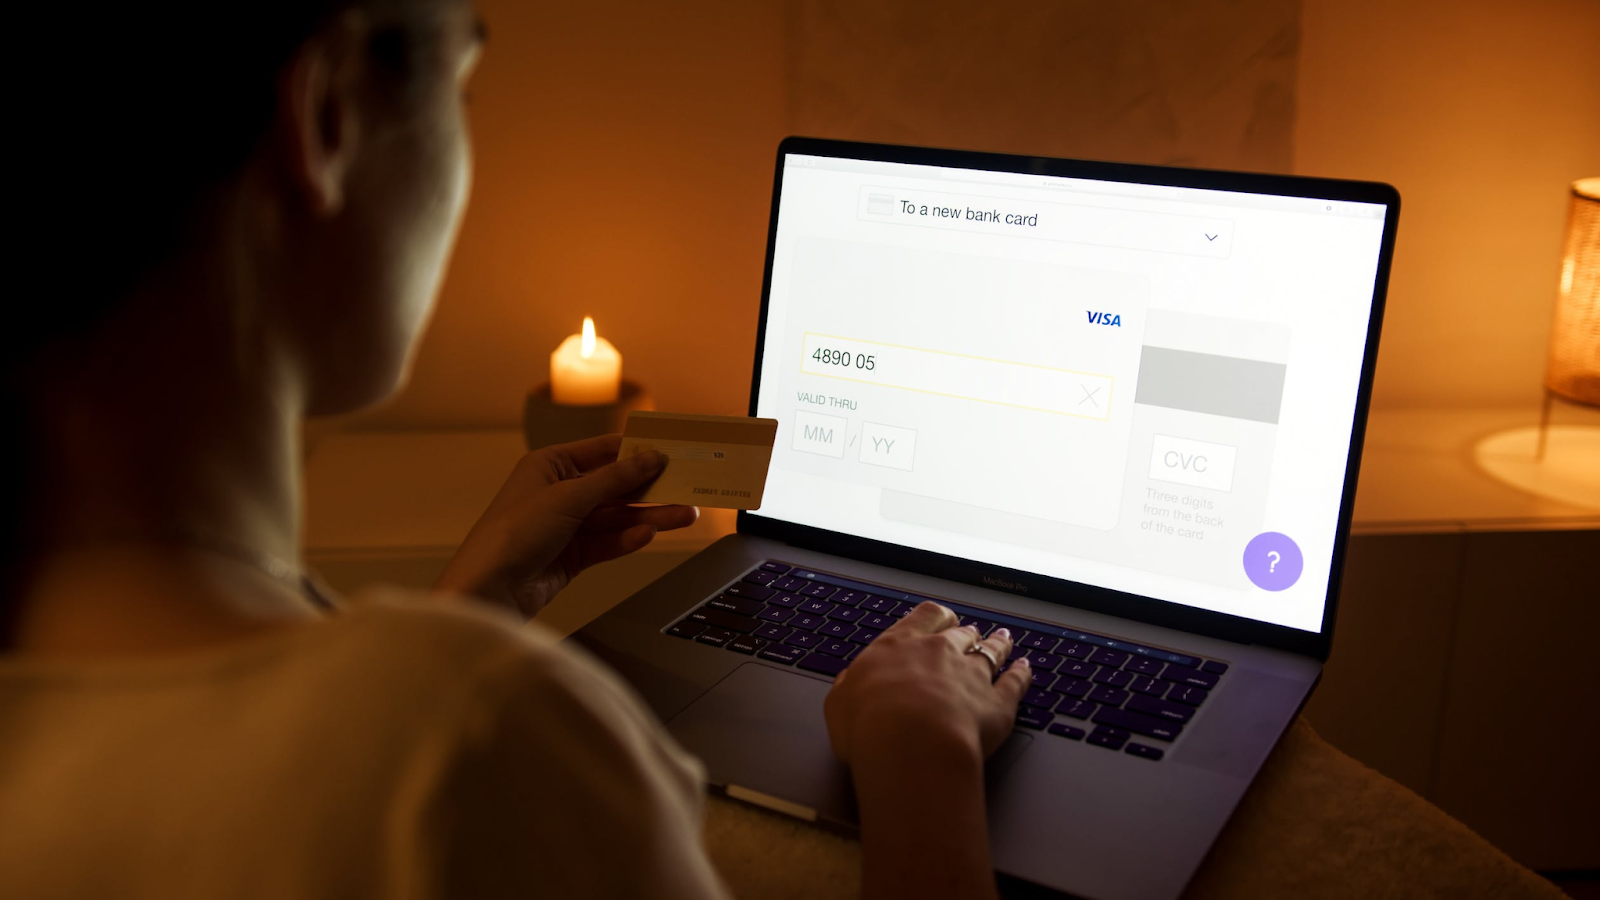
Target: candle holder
x,y
546,422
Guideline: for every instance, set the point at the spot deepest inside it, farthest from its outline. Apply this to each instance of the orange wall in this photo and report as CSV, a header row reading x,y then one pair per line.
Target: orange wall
x,y
1481,112
623,171
624,153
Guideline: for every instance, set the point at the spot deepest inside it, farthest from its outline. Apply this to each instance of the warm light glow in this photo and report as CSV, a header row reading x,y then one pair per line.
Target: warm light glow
x,y
1574,369
585,370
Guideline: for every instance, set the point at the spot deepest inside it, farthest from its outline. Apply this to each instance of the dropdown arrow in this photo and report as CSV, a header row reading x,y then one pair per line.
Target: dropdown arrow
x,y
1211,237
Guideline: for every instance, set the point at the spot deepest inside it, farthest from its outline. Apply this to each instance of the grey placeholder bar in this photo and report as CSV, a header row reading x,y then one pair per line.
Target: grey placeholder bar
x,y
1207,383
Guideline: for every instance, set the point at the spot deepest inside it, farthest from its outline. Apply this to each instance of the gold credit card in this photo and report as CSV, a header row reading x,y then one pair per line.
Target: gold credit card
x,y
711,460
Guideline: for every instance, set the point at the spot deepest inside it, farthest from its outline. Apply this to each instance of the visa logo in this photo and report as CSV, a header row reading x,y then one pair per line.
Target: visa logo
x,y
1100,318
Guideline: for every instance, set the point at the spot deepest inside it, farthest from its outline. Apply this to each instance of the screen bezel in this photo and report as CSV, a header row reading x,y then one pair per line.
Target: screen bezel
x,y
1060,591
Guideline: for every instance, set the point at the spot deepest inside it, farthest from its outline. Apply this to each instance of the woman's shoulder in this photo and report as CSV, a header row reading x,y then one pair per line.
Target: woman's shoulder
x,y
448,648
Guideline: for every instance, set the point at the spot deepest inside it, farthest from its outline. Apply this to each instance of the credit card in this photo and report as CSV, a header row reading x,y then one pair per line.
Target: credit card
x,y
711,460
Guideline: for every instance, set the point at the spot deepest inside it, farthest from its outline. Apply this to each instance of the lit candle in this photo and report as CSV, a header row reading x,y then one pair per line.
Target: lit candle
x,y
585,370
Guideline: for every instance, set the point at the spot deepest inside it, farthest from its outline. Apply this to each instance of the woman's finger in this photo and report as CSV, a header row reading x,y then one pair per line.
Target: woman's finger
x,y
590,453
663,518
608,484
997,645
1013,683
928,618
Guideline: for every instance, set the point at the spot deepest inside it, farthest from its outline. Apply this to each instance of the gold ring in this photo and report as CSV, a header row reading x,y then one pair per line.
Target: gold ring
x,y
994,662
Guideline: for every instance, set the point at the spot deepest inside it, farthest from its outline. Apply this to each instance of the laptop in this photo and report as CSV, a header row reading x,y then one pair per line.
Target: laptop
x,y
1117,409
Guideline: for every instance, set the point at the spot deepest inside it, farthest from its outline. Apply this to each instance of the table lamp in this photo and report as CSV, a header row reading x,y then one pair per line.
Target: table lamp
x,y
1574,371
1564,463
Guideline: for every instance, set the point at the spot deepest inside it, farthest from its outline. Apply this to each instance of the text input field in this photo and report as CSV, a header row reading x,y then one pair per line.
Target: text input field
x,y
1100,226
1021,385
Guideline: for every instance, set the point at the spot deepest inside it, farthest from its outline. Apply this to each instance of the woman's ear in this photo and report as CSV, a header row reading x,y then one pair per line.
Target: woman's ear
x,y
319,112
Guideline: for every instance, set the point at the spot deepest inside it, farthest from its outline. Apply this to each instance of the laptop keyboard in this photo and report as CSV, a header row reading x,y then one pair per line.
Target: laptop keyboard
x,y
1103,691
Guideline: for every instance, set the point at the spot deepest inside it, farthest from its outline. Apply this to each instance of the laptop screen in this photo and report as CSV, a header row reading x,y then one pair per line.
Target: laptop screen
x,y
1140,387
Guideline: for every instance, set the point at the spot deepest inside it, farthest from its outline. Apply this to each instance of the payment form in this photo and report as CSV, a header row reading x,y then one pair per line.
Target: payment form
x,y
1124,385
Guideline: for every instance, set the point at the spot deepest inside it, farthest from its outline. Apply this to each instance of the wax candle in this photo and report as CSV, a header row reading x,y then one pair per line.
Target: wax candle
x,y
585,370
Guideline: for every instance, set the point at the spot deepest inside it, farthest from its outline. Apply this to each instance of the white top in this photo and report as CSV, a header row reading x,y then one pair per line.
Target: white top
x,y
406,749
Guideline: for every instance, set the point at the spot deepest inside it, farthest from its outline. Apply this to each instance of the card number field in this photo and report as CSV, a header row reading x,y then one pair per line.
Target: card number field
x,y
980,379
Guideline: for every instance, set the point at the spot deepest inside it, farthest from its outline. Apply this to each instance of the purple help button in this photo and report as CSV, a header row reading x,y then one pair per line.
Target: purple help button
x,y
1273,561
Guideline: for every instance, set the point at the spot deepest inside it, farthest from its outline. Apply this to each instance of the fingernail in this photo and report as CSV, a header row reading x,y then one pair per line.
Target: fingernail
x,y
971,628
1022,662
1002,632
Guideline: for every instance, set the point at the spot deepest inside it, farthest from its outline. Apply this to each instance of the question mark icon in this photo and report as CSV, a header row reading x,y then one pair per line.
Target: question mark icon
x,y
1274,556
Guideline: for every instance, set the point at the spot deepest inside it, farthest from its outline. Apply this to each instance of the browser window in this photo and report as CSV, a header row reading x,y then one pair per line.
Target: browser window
x,y
1139,387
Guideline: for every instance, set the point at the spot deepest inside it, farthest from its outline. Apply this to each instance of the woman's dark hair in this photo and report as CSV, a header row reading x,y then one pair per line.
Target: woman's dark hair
x,y
129,114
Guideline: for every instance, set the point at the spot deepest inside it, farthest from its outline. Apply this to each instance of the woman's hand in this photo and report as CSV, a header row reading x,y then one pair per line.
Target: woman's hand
x,y
914,717
918,679
562,510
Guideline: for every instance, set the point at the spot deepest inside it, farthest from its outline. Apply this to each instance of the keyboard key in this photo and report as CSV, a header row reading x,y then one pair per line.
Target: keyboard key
x,y
1111,740
746,644
782,654
1077,669
1042,642
850,598
772,632
686,629
787,601
876,621
776,568
1190,677
1042,679
1144,665
716,637
903,610
877,604
1212,667
736,604
776,614
1077,709
864,636
802,639
761,578
1107,657
1040,660
1108,695
1072,687
819,662
1032,716
788,583
1144,752
1075,650
806,622
1113,677
1165,709
721,618
845,614
840,630
819,591
1150,687
984,626
1067,731
752,591
1182,693
1138,723
1042,699
820,607
836,647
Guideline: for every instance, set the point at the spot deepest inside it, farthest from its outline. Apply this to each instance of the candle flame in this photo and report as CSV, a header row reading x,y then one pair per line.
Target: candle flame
x,y
588,338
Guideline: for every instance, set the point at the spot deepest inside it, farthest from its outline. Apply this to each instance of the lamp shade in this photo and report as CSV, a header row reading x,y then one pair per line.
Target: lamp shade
x,y
1574,370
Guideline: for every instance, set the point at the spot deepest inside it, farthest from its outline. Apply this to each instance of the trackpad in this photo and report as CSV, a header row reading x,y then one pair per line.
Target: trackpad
x,y
761,729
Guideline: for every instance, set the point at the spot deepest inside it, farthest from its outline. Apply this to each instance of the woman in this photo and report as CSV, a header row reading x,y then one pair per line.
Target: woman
x,y
249,227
